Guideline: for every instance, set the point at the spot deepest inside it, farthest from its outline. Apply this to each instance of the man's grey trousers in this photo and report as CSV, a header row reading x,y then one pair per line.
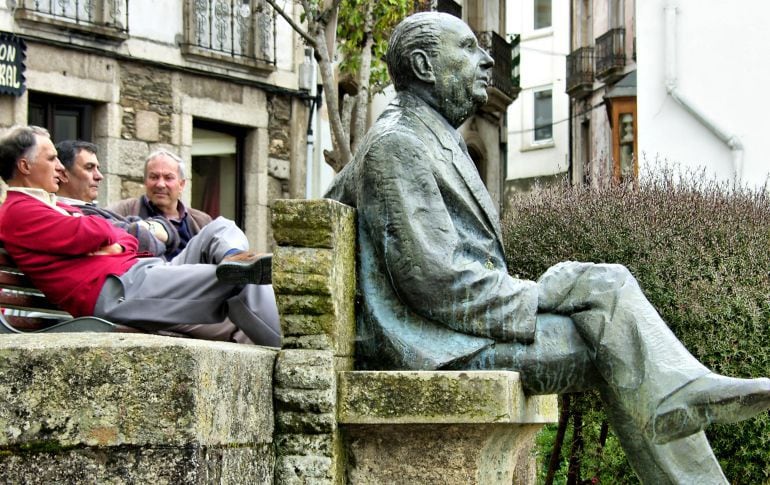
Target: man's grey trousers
x,y
184,295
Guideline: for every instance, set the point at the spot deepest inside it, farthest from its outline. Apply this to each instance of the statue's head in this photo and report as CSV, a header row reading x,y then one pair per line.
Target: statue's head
x,y
437,57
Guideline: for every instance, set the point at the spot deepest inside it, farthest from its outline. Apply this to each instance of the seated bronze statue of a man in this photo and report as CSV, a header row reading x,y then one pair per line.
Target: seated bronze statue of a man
x,y
436,294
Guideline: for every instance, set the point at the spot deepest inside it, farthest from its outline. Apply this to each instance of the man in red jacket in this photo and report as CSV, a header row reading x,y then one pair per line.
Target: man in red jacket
x,y
89,267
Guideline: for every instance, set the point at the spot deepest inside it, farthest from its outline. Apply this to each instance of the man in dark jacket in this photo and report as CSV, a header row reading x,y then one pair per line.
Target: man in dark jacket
x,y
79,188
436,293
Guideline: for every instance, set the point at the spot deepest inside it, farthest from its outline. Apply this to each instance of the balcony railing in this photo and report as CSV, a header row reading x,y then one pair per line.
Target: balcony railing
x,y
611,53
580,72
242,31
502,52
107,18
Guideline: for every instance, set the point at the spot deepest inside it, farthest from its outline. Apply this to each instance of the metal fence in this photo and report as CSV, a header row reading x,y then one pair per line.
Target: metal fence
x,y
102,13
236,28
610,51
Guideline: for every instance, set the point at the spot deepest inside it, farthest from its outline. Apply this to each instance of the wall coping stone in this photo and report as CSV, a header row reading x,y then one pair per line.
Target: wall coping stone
x,y
91,389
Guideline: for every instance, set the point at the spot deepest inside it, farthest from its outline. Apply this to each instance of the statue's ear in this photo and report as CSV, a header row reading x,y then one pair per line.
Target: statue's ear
x,y
422,67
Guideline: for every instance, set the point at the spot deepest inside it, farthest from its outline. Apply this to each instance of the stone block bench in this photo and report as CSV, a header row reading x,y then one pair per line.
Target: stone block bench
x,y
134,408
336,425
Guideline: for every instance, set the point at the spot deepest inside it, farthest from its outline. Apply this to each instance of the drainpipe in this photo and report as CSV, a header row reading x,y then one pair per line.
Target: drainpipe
x,y
731,140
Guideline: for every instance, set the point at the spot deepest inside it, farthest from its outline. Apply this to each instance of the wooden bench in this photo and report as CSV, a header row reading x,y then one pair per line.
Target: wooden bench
x,y
25,309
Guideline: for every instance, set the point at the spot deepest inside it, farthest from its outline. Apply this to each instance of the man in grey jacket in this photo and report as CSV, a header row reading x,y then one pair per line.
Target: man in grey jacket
x,y
436,293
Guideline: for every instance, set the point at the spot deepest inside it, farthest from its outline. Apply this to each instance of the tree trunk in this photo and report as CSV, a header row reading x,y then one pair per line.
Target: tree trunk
x,y
364,75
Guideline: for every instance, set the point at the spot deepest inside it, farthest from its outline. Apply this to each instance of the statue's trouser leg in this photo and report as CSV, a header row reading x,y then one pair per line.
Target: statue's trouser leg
x,y
616,342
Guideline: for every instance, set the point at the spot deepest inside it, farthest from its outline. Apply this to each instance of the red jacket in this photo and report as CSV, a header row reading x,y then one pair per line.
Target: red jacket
x,y
53,250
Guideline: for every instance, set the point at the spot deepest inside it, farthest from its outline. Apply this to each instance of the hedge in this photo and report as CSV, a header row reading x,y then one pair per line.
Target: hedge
x,y
701,252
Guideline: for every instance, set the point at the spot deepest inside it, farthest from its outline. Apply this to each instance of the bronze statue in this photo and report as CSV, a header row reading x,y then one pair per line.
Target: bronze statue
x,y
436,294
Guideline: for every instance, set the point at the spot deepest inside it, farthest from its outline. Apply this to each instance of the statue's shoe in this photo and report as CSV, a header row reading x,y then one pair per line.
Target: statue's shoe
x,y
708,399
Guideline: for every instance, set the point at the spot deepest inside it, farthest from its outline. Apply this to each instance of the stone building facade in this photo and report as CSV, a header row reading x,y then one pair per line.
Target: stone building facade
x,y
213,80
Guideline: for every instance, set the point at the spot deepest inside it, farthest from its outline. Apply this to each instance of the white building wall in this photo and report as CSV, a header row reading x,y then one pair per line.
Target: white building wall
x,y
721,67
543,54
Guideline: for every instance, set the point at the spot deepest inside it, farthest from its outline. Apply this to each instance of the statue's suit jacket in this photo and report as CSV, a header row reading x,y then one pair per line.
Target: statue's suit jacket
x,y
433,286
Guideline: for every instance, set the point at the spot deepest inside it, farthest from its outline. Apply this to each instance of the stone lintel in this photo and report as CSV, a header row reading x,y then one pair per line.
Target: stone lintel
x,y
105,390
433,397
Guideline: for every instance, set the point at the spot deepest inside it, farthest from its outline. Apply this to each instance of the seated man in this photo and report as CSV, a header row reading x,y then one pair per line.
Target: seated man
x,y
436,293
79,187
90,267
164,181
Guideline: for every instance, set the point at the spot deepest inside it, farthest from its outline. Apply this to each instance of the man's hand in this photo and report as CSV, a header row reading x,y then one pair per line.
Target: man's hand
x,y
113,248
156,229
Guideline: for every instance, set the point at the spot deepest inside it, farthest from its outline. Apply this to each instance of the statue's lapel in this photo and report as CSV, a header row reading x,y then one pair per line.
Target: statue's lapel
x,y
461,160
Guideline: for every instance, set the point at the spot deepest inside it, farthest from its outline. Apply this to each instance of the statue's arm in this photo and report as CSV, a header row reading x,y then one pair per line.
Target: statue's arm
x,y
427,261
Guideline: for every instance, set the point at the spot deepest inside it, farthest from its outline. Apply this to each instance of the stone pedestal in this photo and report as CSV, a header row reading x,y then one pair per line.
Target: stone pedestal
x,y
335,425
440,427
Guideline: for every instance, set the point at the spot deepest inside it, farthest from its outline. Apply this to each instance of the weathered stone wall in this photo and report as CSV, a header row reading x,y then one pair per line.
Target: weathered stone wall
x,y
314,279
147,100
133,408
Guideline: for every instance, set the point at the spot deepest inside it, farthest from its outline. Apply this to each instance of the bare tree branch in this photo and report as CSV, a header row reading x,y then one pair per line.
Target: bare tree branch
x,y
364,76
348,103
324,16
340,141
311,42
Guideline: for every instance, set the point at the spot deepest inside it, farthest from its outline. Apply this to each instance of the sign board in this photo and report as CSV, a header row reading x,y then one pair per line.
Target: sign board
x,y
12,55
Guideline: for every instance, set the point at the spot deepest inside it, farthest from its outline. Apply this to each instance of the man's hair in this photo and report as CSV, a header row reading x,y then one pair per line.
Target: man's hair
x,y
418,31
20,142
171,155
69,149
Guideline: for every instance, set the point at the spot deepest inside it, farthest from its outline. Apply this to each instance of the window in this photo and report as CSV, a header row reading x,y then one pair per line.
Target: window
x,y
64,118
102,18
584,36
543,116
625,165
616,13
542,14
216,177
239,31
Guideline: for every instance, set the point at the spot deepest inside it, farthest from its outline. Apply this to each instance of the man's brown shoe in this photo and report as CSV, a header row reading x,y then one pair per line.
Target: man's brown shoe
x,y
246,268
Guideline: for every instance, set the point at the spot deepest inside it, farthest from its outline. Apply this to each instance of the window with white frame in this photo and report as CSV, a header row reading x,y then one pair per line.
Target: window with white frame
x,y
543,115
542,14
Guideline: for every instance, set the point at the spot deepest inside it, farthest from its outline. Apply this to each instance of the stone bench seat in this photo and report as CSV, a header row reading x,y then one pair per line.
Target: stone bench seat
x,y
439,426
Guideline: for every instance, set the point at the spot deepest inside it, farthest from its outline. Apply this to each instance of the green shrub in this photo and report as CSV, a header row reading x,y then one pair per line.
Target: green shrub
x,y
700,250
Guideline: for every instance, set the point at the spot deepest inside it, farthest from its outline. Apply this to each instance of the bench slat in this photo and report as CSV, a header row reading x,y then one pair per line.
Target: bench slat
x,y
28,302
31,323
16,281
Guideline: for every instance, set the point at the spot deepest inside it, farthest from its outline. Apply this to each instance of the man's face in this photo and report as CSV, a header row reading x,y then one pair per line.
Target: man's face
x,y
44,171
462,70
81,181
163,184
